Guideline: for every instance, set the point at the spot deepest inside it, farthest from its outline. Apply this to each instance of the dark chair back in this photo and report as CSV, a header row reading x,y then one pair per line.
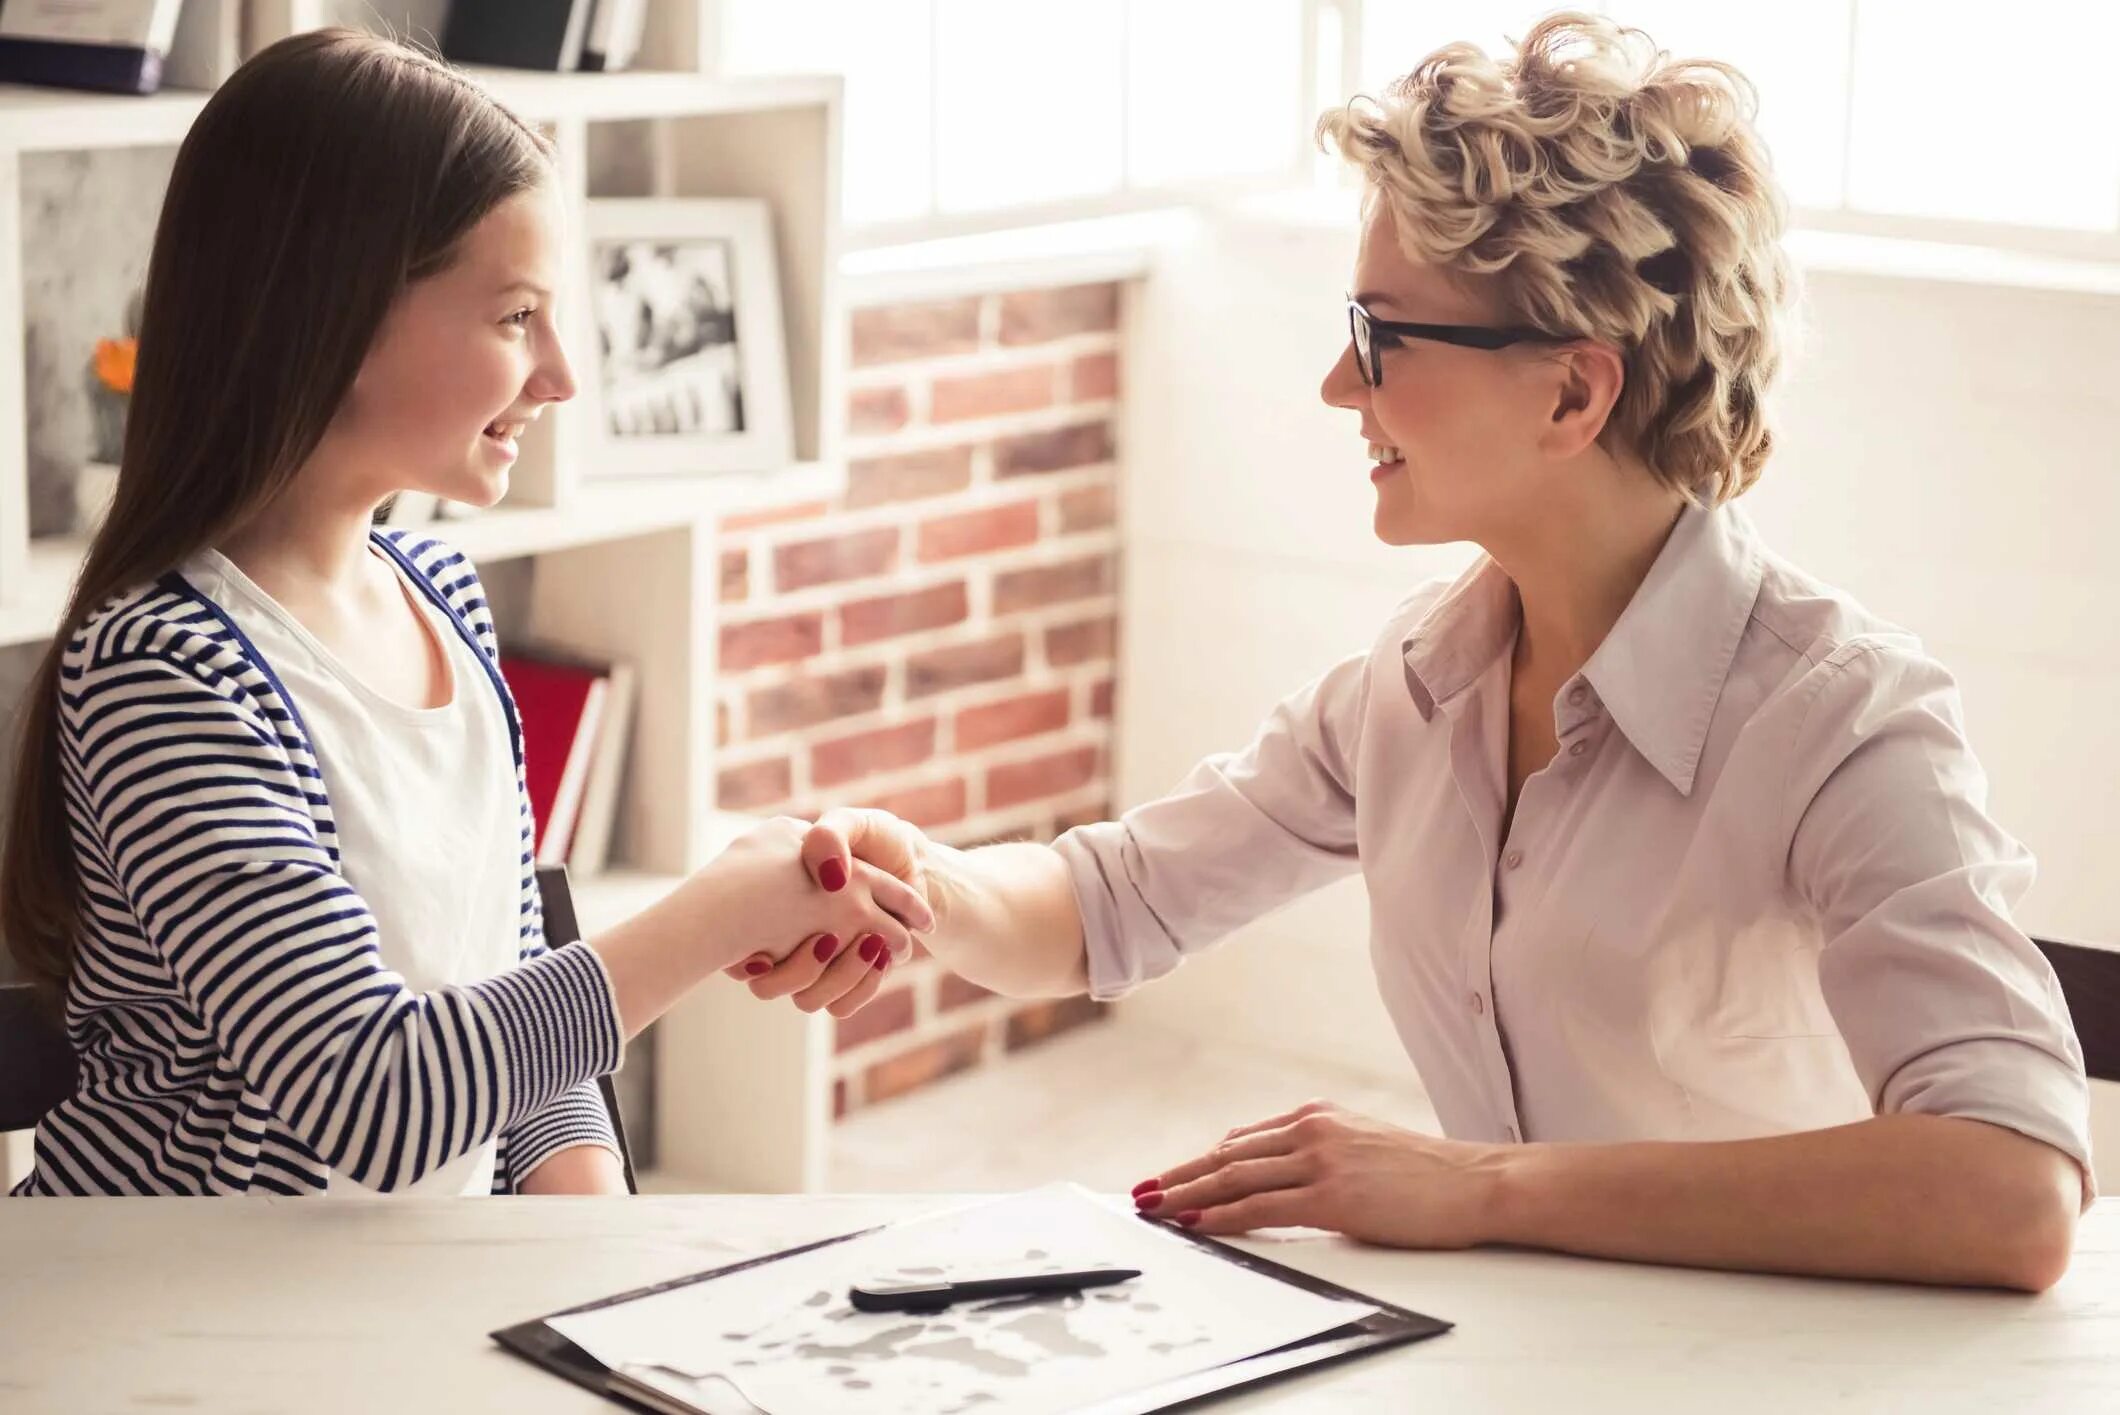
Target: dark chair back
x,y
563,927
36,1060
2090,981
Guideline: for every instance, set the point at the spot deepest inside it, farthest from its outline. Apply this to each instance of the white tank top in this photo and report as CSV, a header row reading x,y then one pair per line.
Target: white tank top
x,y
425,803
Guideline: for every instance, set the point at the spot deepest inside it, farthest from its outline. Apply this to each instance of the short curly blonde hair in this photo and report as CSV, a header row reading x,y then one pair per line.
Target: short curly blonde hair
x,y
1616,193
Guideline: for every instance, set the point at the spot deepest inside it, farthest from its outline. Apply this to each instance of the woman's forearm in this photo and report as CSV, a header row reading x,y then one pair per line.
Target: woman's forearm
x,y
1916,1198
1006,918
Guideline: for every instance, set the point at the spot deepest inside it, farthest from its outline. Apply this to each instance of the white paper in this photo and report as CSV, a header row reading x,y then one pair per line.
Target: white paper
x,y
785,1338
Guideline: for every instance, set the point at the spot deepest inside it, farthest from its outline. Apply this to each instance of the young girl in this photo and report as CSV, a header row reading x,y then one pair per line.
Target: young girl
x,y
269,836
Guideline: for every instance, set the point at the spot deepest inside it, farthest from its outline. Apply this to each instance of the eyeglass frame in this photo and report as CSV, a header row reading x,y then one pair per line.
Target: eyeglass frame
x,y
1368,360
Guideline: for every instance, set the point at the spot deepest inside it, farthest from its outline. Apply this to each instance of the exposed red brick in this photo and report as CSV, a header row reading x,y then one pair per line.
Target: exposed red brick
x,y
932,1061
937,804
1052,775
835,558
953,991
877,410
1035,316
755,784
1069,644
754,644
1011,718
890,1011
818,697
735,576
866,620
993,394
1086,578
978,532
885,334
774,516
1100,699
1077,445
844,759
721,724
1088,508
908,476
1040,1020
1096,376
960,665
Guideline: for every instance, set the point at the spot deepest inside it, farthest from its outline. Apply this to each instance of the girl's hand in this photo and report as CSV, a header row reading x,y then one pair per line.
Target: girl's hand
x,y
831,972
1323,1167
759,905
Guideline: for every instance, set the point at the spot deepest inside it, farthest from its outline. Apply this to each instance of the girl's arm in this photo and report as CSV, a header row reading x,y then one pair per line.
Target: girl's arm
x,y
578,1169
204,837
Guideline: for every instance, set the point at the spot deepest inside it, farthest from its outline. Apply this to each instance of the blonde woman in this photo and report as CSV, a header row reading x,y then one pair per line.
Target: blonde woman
x,y
1684,896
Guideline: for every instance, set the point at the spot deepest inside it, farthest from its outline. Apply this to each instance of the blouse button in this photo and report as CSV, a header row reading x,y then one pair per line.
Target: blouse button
x,y
1578,748
1577,694
1513,859
1479,1005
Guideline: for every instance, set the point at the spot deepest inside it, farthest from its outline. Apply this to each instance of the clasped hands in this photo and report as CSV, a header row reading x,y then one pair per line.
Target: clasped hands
x,y
1316,1166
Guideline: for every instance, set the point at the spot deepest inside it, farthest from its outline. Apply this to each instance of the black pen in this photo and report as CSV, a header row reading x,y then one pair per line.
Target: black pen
x,y
936,1296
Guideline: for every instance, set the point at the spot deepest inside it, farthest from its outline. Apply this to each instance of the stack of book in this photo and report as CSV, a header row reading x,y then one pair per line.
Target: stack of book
x,y
553,35
577,718
137,46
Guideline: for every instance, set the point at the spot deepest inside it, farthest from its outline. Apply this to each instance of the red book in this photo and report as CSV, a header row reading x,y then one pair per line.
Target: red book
x,y
561,705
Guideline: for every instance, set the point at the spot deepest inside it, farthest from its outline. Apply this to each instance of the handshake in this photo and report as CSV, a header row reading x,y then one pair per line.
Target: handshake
x,y
820,913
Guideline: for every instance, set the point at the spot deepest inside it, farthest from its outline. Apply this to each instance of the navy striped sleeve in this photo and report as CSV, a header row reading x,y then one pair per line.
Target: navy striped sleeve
x,y
203,821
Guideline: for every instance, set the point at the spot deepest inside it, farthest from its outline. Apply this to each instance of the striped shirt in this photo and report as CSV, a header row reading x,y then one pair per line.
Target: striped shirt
x,y
236,1028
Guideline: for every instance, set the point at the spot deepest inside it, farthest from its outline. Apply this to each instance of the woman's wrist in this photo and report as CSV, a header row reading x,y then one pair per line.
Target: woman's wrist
x,y
1519,1186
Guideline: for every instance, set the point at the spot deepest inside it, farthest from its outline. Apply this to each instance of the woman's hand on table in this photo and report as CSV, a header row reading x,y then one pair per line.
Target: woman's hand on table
x,y
1321,1166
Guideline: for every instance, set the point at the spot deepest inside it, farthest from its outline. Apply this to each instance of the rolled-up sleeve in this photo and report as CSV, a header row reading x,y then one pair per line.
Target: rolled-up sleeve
x,y
1241,835
1947,1008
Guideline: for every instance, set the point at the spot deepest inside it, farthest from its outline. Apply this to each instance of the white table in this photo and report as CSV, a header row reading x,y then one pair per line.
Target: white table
x,y
229,1305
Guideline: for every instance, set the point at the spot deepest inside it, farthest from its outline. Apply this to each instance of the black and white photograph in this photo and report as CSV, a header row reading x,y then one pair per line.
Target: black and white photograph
x,y
687,369
666,331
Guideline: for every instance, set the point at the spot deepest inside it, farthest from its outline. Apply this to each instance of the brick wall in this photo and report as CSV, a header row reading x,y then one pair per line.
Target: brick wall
x,y
940,641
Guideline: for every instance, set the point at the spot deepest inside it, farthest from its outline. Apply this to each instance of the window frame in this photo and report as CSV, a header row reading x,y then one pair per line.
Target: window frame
x,y
1331,59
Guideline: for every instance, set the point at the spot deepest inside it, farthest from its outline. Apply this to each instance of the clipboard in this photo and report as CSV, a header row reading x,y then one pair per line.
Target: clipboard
x,y
1388,1326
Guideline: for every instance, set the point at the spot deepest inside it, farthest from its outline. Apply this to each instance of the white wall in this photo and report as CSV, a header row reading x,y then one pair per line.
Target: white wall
x,y
1949,456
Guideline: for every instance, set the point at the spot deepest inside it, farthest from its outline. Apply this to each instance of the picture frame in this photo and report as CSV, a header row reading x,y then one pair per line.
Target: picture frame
x,y
686,366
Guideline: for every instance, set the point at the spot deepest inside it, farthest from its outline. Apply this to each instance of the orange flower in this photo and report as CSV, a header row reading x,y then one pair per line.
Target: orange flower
x,y
114,363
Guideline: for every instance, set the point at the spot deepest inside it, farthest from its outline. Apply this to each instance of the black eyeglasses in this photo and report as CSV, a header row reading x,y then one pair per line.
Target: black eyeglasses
x,y
1372,336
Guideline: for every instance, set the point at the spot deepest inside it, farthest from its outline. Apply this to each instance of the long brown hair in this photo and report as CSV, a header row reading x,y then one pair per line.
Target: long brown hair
x,y
326,175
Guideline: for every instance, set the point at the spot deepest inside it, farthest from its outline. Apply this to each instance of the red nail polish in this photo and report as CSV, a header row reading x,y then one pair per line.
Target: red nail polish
x,y
832,875
1149,1199
826,947
758,967
870,947
1145,1185
1189,1217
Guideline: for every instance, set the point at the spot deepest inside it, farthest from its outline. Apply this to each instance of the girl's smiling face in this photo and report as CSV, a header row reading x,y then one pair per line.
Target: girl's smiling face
x,y
465,360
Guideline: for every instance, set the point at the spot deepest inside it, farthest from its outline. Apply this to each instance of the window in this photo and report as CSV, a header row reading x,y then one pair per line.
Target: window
x,y
980,112
966,108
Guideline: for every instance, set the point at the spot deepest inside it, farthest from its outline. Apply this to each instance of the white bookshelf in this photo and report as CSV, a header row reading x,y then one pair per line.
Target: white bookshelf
x,y
623,568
